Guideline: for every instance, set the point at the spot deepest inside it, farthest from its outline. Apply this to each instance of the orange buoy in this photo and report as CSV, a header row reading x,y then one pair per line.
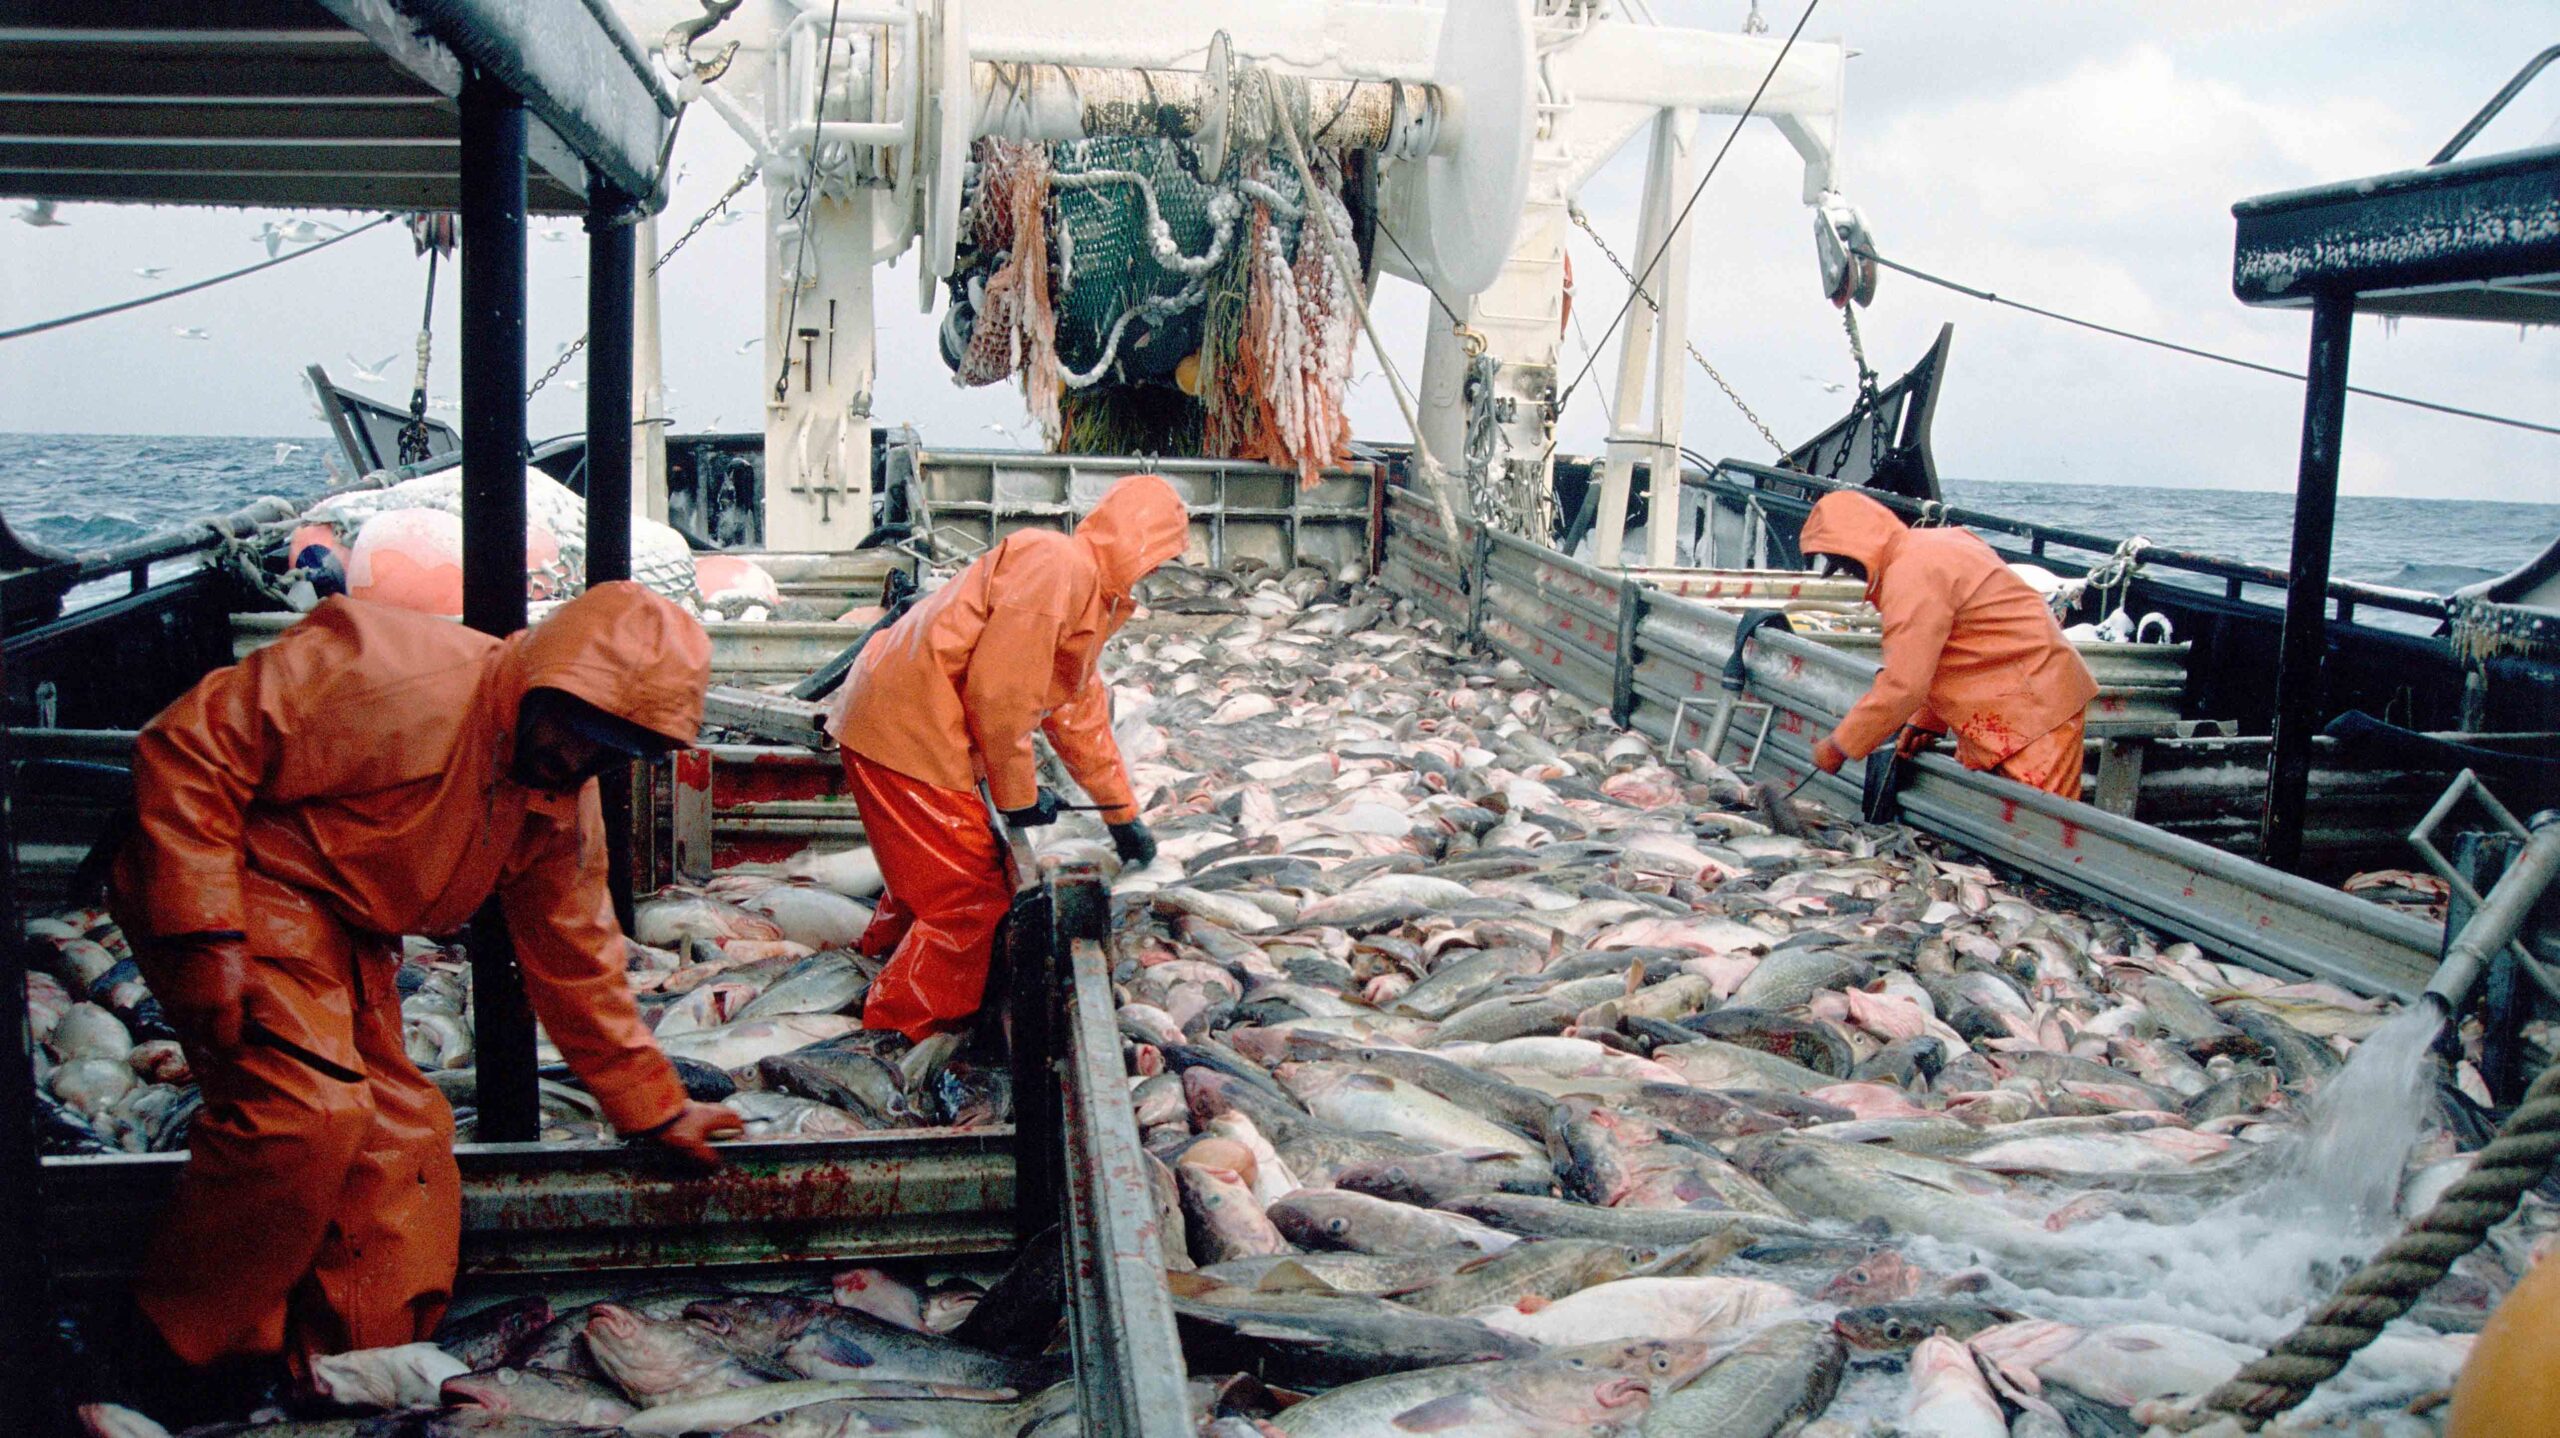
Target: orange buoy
x,y
412,558
2510,1386
727,580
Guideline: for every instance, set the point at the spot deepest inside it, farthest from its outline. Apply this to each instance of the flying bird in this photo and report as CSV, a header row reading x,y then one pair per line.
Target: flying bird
x,y
152,272
750,342
190,332
731,217
554,234
292,232
40,215
376,372
285,450
1829,386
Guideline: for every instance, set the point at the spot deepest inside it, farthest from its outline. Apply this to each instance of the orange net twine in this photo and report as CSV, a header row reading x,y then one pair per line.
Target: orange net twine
x,y
1017,326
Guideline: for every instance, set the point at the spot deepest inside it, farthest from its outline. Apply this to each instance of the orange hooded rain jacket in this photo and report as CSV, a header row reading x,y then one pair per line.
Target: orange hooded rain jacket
x,y
343,786
953,690
1968,646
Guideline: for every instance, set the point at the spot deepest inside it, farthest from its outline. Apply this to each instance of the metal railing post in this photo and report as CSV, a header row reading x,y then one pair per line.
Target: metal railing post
x,y
493,514
2306,622
1479,583
26,1303
1622,679
612,269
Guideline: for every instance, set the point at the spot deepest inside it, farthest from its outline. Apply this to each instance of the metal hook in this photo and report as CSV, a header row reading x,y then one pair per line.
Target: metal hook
x,y
680,38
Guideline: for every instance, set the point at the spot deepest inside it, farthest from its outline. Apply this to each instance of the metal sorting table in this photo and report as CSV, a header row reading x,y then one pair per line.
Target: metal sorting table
x,y
1657,658
1072,1163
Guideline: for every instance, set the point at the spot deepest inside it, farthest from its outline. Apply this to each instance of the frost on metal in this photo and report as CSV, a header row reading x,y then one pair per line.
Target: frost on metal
x,y
578,70
2383,239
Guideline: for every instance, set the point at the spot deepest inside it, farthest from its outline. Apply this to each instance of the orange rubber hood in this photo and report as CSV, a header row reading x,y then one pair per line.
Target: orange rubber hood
x,y
1854,527
1138,525
627,651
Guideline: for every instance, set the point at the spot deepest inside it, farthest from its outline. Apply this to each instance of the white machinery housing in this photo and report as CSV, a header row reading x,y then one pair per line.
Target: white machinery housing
x,y
1487,117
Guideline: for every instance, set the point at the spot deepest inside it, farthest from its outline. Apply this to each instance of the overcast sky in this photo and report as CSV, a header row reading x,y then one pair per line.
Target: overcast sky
x,y
2080,156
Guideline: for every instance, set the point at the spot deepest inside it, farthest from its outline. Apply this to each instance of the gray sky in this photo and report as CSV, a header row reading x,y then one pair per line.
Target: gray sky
x,y
2081,156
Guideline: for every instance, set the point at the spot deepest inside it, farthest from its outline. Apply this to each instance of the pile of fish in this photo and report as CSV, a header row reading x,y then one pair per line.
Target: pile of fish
x,y
751,986
874,1352
1507,1075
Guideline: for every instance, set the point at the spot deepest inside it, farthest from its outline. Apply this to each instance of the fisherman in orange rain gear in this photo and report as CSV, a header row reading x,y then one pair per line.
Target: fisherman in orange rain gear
x,y
375,773
950,694
1968,646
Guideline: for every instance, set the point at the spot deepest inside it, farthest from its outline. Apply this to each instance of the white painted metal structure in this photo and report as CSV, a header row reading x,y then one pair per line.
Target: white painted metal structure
x,y
1489,115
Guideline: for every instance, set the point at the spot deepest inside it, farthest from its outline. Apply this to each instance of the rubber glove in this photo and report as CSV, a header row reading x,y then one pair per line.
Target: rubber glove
x,y
203,986
1914,740
1136,843
1043,810
693,1128
1827,756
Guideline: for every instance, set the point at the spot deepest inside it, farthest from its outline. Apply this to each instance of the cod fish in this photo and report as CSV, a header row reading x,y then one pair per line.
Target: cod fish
x,y
1780,1377
1535,1398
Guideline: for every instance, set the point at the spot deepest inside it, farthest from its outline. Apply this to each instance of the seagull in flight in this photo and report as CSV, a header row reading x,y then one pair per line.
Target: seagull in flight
x,y
376,372
40,214
554,234
190,332
292,232
1829,386
152,272
285,450
750,342
731,217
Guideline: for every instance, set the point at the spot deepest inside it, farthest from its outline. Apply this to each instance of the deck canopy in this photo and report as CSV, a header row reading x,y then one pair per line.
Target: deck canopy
x,y
326,104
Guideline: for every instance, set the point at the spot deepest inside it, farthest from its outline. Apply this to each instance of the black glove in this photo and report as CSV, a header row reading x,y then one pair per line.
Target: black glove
x,y
1137,845
1042,810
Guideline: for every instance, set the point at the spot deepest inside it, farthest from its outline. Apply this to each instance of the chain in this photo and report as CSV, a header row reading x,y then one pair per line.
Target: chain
x,y
1878,442
1584,221
745,178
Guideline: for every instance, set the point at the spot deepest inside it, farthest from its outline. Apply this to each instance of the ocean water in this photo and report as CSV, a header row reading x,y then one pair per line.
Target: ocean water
x,y
84,491
87,491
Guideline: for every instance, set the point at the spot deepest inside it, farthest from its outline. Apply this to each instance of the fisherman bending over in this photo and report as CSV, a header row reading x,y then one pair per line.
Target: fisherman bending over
x,y
375,773
1968,646
949,695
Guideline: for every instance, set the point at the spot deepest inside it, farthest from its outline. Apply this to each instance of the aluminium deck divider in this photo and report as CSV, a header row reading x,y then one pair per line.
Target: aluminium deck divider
x,y
1656,658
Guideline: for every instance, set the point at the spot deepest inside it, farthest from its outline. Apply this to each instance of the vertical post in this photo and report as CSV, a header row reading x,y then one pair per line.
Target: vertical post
x,y
1622,679
612,266
611,263
2306,624
26,1301
648,389
1670,284
493,379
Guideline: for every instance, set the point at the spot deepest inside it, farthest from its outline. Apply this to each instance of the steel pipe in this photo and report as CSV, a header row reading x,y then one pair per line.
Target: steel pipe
x,y
2306,617
493,516
2501,915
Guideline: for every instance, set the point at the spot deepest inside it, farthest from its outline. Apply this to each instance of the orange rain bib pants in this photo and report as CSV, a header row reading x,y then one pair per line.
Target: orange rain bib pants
x,y
946,892
318,1210
951,694
2053,762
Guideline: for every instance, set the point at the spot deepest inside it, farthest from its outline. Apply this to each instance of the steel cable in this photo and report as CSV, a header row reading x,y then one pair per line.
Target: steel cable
x,y
2235,361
